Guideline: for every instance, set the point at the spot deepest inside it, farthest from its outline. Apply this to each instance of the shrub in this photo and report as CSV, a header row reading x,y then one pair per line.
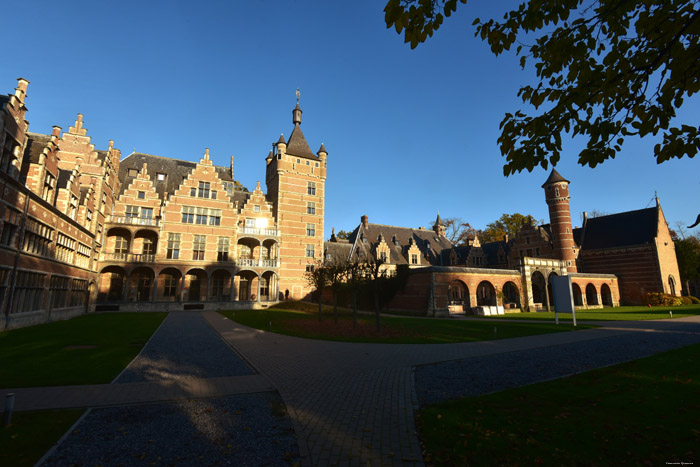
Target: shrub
x,y
661,299
694,300
686,301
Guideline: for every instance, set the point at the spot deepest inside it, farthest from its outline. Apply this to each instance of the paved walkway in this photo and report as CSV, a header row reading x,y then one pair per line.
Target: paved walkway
x,y
350,404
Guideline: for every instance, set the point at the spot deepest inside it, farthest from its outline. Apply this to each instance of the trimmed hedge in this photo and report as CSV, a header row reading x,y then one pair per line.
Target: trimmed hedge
x,y
662,299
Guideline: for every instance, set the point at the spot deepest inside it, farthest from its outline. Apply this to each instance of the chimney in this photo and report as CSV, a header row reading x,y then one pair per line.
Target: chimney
x,y
365,221
585,217
505,238
231,167
21,89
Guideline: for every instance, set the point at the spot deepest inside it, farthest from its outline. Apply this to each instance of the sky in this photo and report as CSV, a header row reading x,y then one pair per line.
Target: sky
x,y
409,133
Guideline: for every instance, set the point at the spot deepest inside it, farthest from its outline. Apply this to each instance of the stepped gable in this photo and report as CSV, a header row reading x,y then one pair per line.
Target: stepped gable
x,y
624,229
403,236
36,143
176,172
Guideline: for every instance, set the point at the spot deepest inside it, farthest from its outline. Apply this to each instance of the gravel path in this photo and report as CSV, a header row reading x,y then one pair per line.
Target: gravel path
x,y
483,375
249,429
185,346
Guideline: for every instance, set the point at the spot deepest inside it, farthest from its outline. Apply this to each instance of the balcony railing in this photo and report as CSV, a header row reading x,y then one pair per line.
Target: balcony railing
x,y
270,263
129,257
135,220
247,262
257,231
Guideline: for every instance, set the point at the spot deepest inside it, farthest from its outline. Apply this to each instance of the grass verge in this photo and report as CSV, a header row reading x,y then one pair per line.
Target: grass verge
x,y
621,313
301,320
645,412
89,349
31,434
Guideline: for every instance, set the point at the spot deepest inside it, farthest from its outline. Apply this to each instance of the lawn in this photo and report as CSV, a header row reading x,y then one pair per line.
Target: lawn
x,y
621,313
301,319
645,412
89,349
31,434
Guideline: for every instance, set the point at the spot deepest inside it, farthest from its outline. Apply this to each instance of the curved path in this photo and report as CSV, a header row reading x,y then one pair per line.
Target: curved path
x,y
353,404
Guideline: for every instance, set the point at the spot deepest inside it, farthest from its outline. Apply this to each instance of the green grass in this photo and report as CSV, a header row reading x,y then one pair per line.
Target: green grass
x,y
31,434
645,412
89,349
302,321
622,313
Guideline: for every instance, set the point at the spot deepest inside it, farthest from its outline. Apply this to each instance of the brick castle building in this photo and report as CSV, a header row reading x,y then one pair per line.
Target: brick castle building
x,y
85,229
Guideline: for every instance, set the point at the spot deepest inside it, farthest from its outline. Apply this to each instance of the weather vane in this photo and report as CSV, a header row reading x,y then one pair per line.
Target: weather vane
x,y
298,94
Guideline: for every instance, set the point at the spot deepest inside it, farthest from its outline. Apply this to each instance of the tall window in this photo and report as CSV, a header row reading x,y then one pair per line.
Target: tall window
x,y
188,214
310,230
199,246
9,228
170,285
310,208
132,212
49,185
149,246
203,190
311,188
147,213
28,292
222,249
65,248
73,210
173,251
121,245
58,288
309,251
414,258
78,289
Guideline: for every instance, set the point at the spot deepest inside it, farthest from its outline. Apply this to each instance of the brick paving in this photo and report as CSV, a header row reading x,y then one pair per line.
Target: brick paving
x,y
350,403
353,404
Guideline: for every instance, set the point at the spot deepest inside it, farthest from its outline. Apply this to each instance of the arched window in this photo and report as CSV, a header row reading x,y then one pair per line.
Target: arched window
x,y
671,285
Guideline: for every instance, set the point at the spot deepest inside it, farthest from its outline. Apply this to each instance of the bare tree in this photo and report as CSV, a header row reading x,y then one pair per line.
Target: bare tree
x,y
375,272
317,276
336,273
356,274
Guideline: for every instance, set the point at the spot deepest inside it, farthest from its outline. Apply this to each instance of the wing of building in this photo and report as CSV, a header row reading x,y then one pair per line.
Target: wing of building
x,y
84,229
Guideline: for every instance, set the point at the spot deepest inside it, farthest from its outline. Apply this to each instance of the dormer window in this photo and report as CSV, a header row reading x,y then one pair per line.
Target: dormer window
x,y
142,195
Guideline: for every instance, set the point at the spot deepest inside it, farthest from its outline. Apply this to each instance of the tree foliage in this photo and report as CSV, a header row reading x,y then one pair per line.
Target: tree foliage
x,y
342,235
607,69
688,256
457,231
509,224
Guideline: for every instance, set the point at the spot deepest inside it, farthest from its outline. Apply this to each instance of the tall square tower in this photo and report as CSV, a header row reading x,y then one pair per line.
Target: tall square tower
x,y
296,187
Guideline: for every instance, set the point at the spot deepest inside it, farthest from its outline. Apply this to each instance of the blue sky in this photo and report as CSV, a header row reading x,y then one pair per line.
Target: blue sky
x,y
409,132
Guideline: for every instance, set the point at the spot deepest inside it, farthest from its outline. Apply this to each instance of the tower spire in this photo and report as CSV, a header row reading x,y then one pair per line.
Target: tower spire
x,y
296,113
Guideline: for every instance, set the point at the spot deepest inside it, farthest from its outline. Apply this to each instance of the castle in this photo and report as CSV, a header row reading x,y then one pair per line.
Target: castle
x,y
84,229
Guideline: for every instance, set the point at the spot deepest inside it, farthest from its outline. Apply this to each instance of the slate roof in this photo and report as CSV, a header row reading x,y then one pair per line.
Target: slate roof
x,y
176,171
554,177
36,144
398,241
624,229
491,251
297,145
338,250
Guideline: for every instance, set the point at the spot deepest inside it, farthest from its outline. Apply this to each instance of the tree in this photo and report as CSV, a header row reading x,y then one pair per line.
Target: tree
x,y
342,235
607,70
375,272
317,277
509,224
356,275
688,256
336,272
457,231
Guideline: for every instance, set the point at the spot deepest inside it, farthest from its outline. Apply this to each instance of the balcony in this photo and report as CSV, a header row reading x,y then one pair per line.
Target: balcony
x,y
247,262
135,220
129,257
257,231
270,263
